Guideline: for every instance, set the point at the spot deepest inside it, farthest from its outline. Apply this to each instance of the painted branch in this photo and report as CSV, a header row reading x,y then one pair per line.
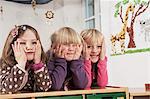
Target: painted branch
x,y
120,14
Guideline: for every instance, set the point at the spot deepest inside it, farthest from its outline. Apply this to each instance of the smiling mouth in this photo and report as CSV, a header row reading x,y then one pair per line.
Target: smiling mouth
x,y
94,55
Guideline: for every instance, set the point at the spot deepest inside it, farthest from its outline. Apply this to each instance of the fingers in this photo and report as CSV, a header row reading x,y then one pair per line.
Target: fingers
x,y
103,51
86,53
19,52
60,51
16,46
13,47
78,51
103,45
79,48
59,48
38,48
38,51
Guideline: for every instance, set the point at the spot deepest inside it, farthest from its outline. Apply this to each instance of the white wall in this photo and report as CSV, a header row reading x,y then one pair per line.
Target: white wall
x,y
66,13
131,70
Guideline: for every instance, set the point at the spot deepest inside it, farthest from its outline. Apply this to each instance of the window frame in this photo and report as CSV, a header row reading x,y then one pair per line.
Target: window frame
x,y
97,14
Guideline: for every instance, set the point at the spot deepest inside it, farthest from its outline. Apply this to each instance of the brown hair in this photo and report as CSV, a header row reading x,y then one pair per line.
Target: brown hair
x,y
8,55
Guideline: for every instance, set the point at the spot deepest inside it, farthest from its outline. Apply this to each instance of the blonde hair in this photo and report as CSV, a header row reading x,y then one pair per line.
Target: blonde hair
x,y
66,35
92,36
8,55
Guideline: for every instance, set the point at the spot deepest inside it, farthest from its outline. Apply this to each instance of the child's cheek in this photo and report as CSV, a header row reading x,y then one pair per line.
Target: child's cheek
x,y
89,51
34,48
64,48
23,46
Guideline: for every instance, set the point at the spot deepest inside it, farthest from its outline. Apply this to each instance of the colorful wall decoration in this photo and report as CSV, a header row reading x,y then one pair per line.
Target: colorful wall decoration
x,y
128,11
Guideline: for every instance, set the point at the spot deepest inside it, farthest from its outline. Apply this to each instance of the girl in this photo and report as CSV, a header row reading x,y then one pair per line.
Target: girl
x,y
95,59
22,63
65,64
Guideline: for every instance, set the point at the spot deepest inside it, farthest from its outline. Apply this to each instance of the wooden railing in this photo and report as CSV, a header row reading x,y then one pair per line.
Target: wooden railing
x,y
139,93
111,92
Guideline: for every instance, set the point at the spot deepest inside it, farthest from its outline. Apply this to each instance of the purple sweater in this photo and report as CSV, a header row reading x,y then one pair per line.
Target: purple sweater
x,y
70,72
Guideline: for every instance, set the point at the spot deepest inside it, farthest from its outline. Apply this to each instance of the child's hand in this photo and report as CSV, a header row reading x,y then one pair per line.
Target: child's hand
x,y
59,51
86,52
19,54
78,51
103,51
38,50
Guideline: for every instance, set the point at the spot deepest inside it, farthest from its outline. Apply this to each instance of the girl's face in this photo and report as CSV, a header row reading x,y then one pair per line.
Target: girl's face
x,y
28,42
70,51
94,51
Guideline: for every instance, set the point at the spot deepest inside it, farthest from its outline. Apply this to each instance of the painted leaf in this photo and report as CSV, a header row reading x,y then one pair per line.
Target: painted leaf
x,y
144,3
137,2
125,1
118,5
116,13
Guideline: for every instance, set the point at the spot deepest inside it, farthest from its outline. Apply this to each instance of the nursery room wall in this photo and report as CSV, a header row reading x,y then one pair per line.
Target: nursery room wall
x,y
132,67
127,69
17,14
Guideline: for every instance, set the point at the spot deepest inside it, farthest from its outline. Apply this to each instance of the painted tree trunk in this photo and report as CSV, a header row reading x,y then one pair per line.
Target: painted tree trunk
x,y
130,31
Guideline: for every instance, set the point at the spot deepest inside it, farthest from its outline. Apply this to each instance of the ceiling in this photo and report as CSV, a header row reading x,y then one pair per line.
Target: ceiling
x,y
29,1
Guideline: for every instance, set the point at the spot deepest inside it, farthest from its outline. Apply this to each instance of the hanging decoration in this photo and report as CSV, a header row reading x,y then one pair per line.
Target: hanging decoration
x,y
46,16
29,1
1,12
49,15
33,2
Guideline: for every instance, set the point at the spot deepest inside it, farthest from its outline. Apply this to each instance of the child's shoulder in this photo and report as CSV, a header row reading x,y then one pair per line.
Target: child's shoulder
x,y
48,52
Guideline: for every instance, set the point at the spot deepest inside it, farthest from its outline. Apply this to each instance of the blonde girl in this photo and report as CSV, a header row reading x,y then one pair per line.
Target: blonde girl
x,y
65,63
95,58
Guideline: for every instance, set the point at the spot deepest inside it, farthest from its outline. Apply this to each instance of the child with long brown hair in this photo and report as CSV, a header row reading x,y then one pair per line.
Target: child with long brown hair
x,y
22,65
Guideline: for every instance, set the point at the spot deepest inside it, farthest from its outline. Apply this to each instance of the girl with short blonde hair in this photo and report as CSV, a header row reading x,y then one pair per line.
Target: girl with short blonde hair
x,y
95,58
65,63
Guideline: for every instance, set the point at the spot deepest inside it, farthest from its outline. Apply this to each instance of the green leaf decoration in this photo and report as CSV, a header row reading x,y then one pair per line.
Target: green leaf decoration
x,y
118,5
125,1
144,3
137,2
116,13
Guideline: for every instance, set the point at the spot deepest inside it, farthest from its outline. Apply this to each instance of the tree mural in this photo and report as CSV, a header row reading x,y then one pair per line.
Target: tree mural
x,y
140,6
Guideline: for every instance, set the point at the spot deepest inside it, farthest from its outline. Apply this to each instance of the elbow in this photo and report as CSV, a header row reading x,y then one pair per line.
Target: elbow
x,y
88,86
8,91
56,87
102,84
82,85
